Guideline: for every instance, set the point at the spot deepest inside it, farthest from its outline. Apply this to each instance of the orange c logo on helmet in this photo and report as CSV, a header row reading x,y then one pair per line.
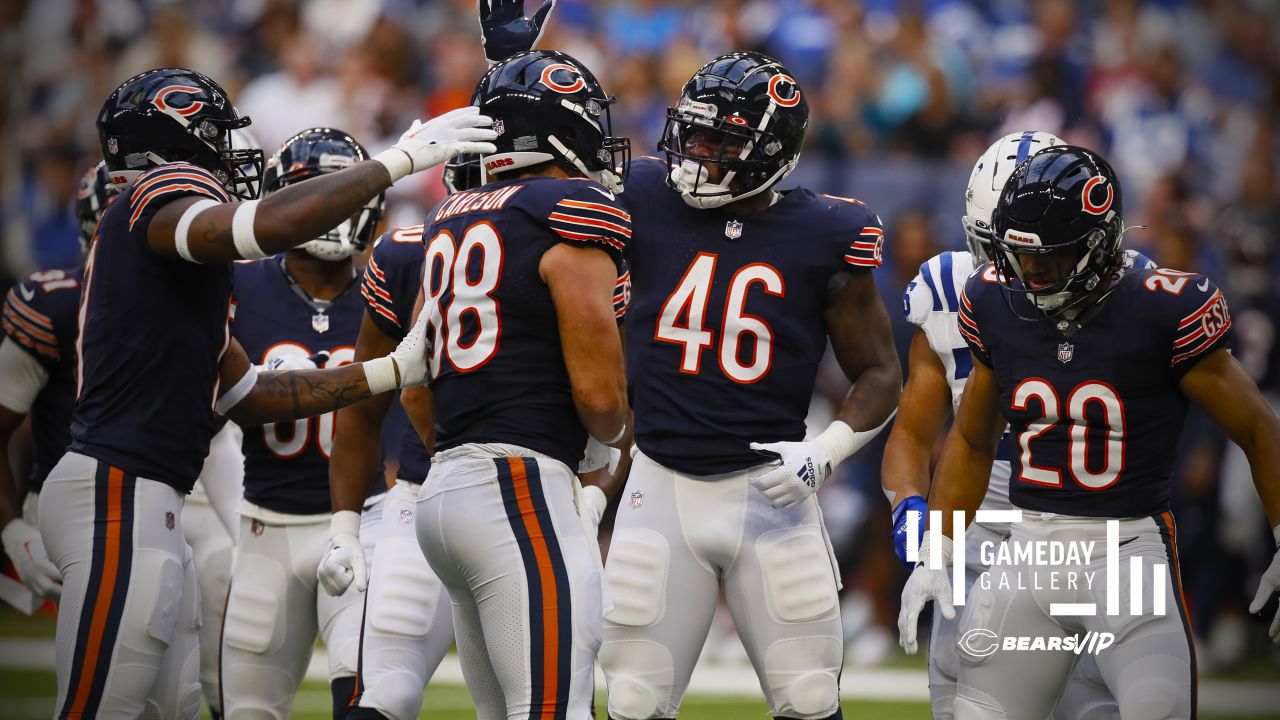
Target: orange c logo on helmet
x,y
1086,199
573,87
193,107
790,100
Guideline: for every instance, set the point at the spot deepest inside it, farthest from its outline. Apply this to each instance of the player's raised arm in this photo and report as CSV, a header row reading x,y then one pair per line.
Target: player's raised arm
x,y
581,281
1222,387
203,230
250,397
858,326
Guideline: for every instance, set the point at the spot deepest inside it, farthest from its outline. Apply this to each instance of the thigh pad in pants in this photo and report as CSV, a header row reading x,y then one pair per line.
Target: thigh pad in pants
x,y
636,574
255,621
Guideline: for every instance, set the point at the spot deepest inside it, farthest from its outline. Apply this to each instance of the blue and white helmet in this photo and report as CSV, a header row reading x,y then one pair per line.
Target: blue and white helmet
x,y
987,180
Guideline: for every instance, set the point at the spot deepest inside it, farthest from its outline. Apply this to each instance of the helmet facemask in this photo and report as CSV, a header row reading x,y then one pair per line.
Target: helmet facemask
x,y
349,238
695,139
1078,274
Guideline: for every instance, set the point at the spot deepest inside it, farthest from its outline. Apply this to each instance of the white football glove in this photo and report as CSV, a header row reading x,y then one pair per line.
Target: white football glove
x,y
925,584
1269,585
291,362
427,144
344,563
594,457
591,509
24,547
409,364
803,467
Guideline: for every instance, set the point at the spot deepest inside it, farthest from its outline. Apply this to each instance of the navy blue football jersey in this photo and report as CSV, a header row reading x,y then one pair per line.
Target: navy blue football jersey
x,y
390,288
286,464
725,331
40,316
499,371
1096,417
152,333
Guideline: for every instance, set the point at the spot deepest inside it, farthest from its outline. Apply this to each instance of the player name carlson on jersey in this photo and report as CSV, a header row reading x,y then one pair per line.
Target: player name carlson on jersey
x,y
476,200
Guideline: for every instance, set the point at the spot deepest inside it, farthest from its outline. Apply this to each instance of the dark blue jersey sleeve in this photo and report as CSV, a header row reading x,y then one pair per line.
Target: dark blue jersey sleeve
x,y
857,231
1197,313
970,328
392,279
158,187
591,216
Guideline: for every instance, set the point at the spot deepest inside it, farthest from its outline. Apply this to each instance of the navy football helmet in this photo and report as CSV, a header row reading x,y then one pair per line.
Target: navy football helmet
x,y
547,107
315,152
175,115
462,172
95,193
750,107
1062,204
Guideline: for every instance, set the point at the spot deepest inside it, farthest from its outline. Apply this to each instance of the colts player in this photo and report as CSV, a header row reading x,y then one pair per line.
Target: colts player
x,y
939,362
156,367
1091,364
37,360
296,311
520,279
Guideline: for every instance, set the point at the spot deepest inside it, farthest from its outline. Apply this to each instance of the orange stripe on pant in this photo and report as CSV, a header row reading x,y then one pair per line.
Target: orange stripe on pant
x,y
110,568
547,580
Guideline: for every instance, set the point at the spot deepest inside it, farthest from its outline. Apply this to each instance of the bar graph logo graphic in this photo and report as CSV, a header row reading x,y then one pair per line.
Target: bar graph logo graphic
x,y
1032,560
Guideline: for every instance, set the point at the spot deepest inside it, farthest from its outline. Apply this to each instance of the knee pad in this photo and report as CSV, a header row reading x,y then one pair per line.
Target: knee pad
x,y
1151,698
254,619
801,676
397,695
799,582
637,577
641,677
404,594
159,589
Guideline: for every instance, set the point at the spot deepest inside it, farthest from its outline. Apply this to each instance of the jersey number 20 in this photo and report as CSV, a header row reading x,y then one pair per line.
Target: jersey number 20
x,y
1099,393
689,301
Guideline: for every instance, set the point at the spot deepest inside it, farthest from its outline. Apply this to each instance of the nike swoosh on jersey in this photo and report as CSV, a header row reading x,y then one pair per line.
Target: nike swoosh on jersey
x,y
26,292
1126,542
605,193
1203,285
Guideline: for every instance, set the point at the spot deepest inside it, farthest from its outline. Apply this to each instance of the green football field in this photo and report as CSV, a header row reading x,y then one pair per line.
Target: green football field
x,y
29,693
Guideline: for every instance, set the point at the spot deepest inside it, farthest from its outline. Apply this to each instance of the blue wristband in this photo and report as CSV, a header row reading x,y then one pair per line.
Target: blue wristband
x,y
900,528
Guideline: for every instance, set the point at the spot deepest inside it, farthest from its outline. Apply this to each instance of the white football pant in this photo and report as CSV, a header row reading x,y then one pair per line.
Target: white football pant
x,y
676,540
128,620
498,525
212,548
276,609
1151,667
408,625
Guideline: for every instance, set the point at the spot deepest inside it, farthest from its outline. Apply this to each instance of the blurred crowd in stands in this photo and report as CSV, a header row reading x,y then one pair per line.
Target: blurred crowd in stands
x,y
1182,96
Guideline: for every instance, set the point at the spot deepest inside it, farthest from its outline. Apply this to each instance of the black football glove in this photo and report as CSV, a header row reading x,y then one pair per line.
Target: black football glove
x,y
505,31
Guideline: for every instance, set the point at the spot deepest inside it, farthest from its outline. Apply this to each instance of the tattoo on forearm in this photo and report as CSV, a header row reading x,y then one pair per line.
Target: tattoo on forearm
x,y
313,392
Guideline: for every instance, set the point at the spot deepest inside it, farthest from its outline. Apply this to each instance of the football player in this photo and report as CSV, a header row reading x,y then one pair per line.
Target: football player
x,y
938,364
155,369
736,289
1091,363
37,359
520,277
298,310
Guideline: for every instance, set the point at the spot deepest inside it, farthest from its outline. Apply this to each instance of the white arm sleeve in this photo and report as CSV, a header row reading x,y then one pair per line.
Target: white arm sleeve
x,y
23,377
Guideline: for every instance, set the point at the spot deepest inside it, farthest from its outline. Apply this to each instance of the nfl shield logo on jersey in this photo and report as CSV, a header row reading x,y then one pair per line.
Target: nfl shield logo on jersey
x,y
637,499
320,322
1065,351
169,520
733,229
406,517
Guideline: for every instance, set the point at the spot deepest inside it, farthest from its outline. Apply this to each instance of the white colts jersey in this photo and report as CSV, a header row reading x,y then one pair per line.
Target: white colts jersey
x,y
932,303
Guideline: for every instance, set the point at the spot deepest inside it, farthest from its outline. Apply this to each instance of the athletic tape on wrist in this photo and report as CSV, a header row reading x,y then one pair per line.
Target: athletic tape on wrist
x,y
380,374
242,232
184,224
242,388
397,161
344,522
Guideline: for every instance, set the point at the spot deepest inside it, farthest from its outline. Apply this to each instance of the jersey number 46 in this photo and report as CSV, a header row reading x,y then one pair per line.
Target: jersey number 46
x,y
684,314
